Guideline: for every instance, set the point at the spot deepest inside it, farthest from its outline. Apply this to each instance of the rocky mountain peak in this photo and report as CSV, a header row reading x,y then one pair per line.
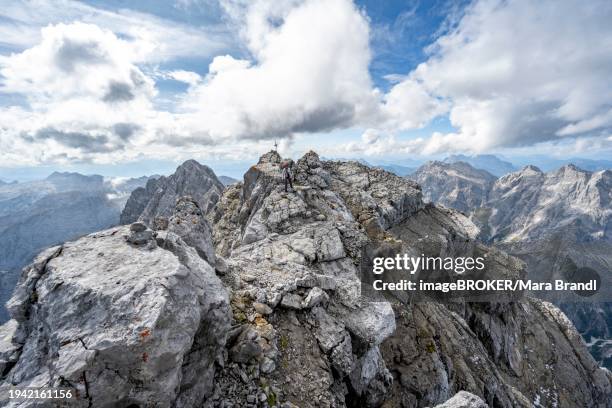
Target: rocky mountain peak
x,y
271,157
530,169
195,168
488,162
454,184
128,309
159,197
284,319
571,170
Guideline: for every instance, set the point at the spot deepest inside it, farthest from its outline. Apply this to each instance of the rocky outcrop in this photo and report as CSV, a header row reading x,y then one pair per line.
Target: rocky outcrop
x,y
190,179
292,270
126,317
457,185
303,325
188,222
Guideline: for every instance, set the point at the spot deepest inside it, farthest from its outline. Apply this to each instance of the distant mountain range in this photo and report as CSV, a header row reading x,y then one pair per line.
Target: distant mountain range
x,y
227,180
488,162
498,166
548,163
559,222
397,169
64,206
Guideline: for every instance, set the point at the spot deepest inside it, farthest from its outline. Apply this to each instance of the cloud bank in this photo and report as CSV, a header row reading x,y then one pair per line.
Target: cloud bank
x,y
507,74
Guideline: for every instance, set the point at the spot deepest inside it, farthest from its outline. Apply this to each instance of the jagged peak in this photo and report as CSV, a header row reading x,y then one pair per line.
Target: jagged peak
x,y
271,157
191,163
529,170
192,166
571,169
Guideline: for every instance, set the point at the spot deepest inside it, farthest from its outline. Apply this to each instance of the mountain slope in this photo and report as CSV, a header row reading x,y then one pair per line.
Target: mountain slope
x,y
531,204
558,222
457,185
227,180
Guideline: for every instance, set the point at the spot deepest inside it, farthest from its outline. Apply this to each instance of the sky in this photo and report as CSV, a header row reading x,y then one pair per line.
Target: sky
x,y
129,87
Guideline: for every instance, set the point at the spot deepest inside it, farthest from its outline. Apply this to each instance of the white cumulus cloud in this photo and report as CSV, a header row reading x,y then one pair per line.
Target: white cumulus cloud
x,y
519,72
508,73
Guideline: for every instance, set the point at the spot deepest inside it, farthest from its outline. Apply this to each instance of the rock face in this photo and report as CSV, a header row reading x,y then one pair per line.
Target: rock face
x,y
557,222
296,253
560,223
457,185
531,204
138,201
285,250
190,179
125,316
298,330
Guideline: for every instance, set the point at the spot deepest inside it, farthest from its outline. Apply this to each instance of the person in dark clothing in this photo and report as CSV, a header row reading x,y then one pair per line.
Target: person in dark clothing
x,y
286,166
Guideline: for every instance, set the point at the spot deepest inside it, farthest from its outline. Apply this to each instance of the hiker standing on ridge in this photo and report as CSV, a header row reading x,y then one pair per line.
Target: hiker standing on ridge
x,y
286,166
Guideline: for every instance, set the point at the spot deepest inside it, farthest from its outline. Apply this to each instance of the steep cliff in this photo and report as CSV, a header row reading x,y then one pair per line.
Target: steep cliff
x,y
158,198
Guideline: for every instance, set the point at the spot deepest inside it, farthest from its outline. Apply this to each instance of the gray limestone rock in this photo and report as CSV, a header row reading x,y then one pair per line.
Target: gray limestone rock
x,y
463,399
100,305
457,185
99,314
292,301
315,297
370,353
188,222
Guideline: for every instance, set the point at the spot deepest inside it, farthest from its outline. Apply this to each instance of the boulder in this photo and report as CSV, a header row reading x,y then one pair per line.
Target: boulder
x,y
463,399
188,222
99,314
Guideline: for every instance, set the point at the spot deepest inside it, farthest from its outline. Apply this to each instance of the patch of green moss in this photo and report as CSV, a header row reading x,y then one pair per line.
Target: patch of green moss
x,y
271,398
240,317
284,342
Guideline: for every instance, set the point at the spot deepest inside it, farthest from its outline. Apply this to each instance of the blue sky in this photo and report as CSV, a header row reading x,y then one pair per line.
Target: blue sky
x,y
128,88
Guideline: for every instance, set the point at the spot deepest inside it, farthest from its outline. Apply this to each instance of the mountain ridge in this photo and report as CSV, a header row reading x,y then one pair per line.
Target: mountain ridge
x,y
283,320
